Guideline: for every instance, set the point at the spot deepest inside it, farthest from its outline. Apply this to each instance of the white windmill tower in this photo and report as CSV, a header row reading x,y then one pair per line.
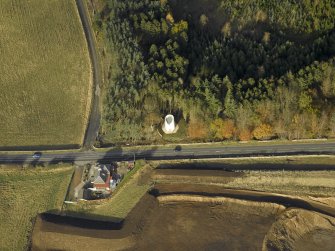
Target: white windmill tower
x,y
169,125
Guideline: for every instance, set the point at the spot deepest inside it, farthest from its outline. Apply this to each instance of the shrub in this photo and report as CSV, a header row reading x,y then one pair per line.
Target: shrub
x,y
263,131
223,129
245,135
197,130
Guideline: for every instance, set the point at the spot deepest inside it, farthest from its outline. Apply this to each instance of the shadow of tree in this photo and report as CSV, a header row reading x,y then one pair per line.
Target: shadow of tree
x,y
209,165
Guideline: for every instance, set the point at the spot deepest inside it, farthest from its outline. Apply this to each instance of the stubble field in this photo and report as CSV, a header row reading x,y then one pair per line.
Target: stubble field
x,y
45,82
24,193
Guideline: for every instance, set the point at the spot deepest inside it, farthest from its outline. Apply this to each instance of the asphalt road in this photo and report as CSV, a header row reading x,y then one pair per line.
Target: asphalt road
x,y
94,119
195,152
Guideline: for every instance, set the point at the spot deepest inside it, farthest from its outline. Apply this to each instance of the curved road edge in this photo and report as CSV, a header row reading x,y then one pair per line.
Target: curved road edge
x,y
94,117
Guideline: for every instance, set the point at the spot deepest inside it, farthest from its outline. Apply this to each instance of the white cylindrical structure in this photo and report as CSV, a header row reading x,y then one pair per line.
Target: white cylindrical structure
x,y
169,124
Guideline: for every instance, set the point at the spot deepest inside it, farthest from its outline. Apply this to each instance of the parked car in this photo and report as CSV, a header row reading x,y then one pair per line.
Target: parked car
x,y
37,155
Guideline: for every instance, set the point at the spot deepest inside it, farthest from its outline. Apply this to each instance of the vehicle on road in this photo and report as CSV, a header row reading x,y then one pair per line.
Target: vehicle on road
x,y
37,155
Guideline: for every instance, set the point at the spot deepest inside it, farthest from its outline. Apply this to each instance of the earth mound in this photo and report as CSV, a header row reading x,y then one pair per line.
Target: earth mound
x,y
301,230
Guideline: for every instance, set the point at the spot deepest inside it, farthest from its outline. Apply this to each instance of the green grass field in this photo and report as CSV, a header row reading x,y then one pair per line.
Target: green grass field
x,y
45,83
24,194
312,183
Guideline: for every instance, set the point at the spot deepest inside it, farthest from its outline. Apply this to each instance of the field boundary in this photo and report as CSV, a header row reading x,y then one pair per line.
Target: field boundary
x,y
39,147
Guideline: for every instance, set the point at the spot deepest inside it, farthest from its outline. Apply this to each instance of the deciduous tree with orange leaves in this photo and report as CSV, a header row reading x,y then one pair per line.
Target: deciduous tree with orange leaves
x,y
245,135
263,131
223,129
197,130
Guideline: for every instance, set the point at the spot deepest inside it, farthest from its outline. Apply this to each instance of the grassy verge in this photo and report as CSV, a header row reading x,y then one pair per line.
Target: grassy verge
x,y
254,162
313,183
23,194
214,144
44,152
45,84
304,182
124,198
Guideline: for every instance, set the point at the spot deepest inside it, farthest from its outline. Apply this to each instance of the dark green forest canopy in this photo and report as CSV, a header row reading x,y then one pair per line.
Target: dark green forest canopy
x,y
261,64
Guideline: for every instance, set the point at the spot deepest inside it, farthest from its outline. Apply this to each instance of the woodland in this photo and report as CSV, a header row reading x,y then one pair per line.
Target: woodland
x,y
227,70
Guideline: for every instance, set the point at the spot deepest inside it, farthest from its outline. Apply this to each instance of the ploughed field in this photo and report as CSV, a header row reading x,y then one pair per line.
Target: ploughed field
x,y
167,225
189,222
205,214
45,82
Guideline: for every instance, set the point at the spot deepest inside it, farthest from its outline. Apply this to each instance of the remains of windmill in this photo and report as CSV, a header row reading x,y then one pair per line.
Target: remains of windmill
x,y
169,126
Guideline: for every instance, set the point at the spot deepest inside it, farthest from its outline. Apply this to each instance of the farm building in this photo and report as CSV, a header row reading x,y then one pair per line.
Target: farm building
x,y
99,177
98,181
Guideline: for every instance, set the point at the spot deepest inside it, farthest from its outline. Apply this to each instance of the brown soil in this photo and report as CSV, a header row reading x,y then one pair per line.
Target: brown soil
x,y
180,225
186,225
330,201
301,230
196,217
54,232
213,190
186,222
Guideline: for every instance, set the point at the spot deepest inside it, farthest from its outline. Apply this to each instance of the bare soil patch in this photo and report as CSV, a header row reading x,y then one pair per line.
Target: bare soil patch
x,y
198,216
53,232
183,222
300,230
217,191
186,225
163,226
